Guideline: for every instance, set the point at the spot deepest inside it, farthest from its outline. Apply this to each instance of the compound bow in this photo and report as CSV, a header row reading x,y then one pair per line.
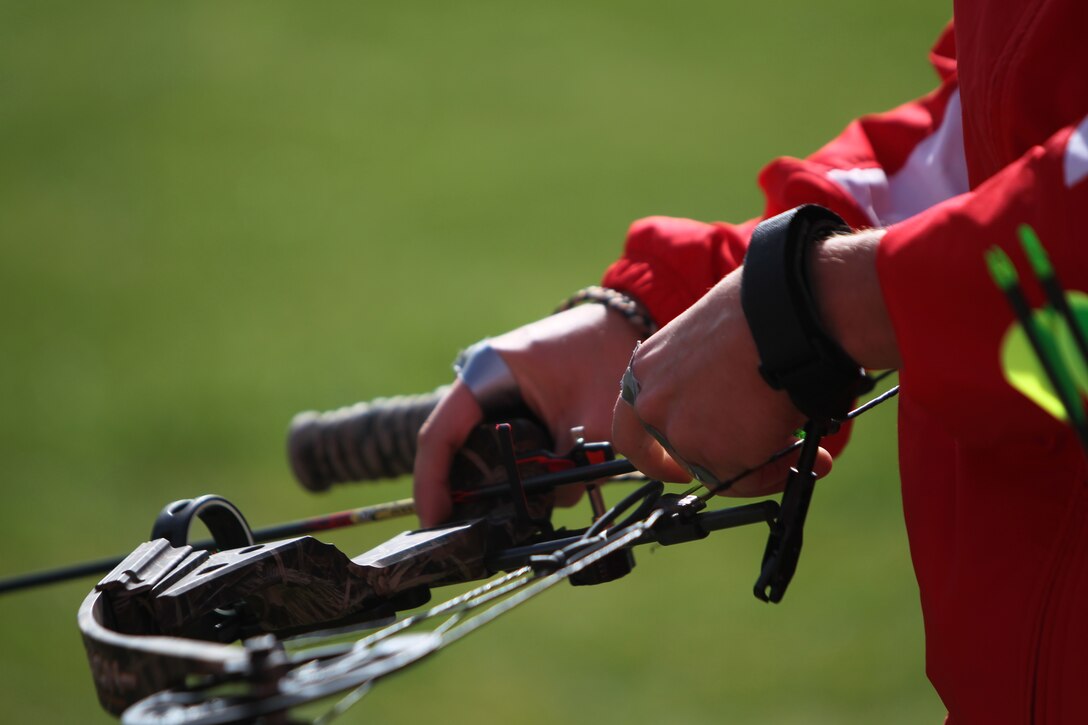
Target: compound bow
x,y
161,629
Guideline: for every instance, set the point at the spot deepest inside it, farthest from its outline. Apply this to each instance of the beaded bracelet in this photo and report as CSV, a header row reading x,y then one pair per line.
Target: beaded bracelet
x,y
633,310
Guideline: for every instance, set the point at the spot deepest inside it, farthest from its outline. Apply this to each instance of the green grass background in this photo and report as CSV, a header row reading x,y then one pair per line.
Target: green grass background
x,y
213,215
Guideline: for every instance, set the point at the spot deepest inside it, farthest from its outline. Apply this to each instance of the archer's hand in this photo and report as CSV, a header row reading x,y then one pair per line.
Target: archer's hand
x,y
700,382
701,389
567,367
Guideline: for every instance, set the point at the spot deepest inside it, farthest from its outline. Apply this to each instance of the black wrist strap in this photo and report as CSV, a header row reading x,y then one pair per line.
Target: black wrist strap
x,y
796,353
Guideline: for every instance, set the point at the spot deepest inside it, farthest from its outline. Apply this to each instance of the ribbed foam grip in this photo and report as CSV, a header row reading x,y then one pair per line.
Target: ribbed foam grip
x,y
362,442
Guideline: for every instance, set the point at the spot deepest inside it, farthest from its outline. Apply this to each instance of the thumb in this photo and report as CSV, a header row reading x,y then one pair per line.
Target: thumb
x,y
442,435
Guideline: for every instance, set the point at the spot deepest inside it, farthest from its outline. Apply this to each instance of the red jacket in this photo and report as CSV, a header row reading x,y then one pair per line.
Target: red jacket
x,y
994,488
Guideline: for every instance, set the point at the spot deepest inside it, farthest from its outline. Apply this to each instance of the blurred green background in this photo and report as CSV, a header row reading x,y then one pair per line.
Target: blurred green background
x,y
214,215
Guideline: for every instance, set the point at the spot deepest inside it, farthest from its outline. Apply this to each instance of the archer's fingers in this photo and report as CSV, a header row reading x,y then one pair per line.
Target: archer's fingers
x,y
629,437
771,478
442,435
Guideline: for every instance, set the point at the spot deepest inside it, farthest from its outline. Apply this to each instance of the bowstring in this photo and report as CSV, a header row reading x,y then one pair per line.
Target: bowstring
x,y
519,587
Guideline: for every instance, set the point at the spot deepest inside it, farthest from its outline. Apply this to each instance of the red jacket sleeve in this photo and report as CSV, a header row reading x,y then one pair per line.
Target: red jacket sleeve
x,y
880,170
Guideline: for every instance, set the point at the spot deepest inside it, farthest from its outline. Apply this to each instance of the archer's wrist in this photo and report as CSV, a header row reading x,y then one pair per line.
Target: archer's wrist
x,y
849,300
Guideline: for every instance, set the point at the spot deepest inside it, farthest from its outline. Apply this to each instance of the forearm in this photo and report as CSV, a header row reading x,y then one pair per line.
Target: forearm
x,y
843,277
